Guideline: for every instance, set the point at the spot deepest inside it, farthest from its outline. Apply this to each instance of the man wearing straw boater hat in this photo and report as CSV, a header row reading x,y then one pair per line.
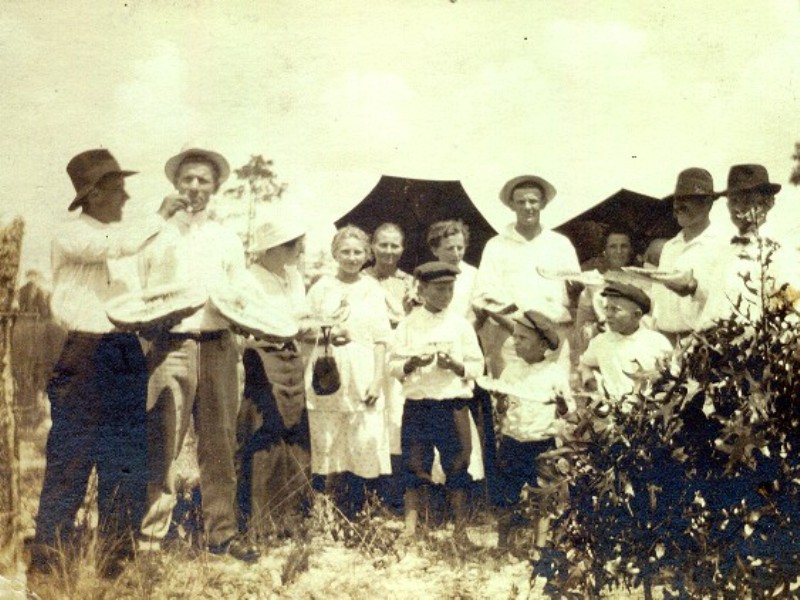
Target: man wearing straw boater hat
x,y
689,258
738,291
508,268
193,366
97,390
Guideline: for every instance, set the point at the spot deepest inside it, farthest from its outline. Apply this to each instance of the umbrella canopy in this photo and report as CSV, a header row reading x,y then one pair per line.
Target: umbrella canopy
x,y
414,205
646,217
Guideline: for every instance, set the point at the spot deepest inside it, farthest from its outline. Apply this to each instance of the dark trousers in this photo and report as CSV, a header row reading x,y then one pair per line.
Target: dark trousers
x,y
442,424
273,458
517,466
97,397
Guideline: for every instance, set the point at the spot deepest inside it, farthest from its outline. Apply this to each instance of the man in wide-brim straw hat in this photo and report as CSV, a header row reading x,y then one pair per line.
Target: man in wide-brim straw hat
x,y
274,443
737,289
194,364
689,258
508,269
97,391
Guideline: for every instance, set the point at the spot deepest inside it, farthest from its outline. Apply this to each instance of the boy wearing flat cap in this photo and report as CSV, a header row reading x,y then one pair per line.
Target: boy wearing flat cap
x,y
531,396
626,348
437,358
737,290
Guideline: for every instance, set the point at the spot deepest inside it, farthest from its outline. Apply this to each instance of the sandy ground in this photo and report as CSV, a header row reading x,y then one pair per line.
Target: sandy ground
x,y
321,564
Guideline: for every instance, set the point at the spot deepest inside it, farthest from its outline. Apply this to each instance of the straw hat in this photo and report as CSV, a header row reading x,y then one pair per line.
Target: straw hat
x,y
547,187
172,164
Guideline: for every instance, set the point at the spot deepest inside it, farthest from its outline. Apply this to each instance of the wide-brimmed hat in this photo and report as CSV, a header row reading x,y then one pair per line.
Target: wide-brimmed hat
x,y
547,187
172,165
694,182
750,178
274,232
87,168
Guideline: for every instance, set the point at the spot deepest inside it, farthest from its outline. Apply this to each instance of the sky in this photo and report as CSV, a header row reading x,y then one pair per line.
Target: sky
x,y
593,96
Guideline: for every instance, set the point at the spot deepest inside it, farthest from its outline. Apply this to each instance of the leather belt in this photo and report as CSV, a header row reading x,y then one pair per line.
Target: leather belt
x,y
197,336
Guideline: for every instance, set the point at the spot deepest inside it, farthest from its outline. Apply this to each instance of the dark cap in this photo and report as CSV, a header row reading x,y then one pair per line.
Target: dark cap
x,y
629,292
694,183
436,271
88,168
750,178
540,324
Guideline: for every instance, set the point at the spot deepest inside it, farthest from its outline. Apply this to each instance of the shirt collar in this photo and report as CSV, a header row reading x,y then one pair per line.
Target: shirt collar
x,y
91,221
434,315
512,234
184,220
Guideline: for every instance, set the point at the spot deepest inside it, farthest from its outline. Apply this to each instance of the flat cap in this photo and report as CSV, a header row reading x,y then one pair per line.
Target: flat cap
x,y
540,324
629,292
436,270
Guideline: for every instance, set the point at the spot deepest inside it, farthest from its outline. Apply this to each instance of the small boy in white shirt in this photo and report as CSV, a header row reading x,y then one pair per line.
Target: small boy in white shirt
x,y
531,395
626,349
437,357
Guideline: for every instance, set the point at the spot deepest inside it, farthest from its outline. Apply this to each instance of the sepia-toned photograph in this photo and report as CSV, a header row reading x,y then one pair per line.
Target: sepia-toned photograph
x,y
355,299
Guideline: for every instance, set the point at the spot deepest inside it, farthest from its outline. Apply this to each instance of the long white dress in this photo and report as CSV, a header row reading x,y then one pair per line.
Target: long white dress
x,y
347,435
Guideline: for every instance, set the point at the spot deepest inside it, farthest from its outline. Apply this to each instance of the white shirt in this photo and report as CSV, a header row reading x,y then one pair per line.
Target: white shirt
x,y
463,290
82,281
508,271
531,414
738,263
281,298
617,355
424,332
674,313
397,287
199,253
286,293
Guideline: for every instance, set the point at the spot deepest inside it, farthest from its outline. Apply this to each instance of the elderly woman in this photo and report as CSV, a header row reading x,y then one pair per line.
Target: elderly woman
x,y
349,436
448,242
274,460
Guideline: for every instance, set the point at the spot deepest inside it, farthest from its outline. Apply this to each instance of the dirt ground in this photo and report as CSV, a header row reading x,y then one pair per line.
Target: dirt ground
x,y
328,558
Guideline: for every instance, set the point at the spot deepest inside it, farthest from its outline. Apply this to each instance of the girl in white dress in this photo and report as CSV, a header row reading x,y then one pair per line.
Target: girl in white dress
x,y
349,437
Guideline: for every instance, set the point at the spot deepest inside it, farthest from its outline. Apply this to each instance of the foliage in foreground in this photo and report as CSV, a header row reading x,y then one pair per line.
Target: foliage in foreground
x,y
695,480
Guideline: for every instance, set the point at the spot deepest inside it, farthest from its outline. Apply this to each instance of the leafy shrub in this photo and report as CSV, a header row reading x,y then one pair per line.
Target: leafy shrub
x,y
695,479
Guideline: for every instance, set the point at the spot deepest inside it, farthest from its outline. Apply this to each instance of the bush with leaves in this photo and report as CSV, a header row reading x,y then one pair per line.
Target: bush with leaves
x,y
694,481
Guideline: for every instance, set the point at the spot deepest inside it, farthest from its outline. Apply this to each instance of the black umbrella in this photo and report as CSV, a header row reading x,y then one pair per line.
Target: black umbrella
x,y
414,205
646,217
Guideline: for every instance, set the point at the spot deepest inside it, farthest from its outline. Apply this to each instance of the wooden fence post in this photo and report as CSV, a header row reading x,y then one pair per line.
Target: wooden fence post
x,y
10,542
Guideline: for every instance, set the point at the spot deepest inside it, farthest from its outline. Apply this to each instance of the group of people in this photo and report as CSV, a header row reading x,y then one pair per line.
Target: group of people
x,y
374,386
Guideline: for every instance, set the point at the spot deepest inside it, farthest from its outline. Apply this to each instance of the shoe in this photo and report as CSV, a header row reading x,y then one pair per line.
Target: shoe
x,y
239,548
